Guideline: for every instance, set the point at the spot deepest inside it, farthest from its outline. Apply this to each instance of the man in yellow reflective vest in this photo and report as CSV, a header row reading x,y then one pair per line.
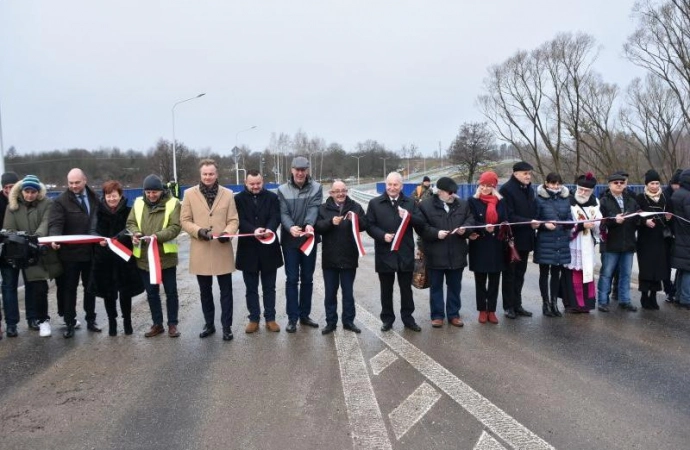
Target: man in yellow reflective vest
x,y
157,214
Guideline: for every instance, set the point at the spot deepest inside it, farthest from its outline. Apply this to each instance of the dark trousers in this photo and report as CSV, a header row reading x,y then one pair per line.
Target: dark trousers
x,y
553,285
153,295
386,281
299,282
207,305
39,291
268,288
10,296
72,272
513,280
125,306
487,294
332,279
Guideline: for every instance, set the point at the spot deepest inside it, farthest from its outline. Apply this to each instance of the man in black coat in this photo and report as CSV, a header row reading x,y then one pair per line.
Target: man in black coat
x,y
74,212
340,255
519,198
259,213
385,214
681,250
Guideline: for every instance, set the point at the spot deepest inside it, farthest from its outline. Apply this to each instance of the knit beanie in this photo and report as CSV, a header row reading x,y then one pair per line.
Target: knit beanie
x,y
9,178
651,175
31,182
488,178
153,183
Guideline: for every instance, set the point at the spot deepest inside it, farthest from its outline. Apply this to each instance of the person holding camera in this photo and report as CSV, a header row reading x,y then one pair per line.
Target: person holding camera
x,y
28,211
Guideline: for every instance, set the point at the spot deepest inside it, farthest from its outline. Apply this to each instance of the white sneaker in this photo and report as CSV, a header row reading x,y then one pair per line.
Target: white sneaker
x,y
44,329
77,325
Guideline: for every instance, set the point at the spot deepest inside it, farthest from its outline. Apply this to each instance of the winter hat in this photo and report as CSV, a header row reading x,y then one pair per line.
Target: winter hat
x,y
300,162
651,175
618,176
426,179
586,181
9,178
675,179
153,183
447,184
31,182
522,166
488,178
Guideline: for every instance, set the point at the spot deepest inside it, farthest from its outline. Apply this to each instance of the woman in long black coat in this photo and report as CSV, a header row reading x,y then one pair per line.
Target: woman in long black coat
x,y
653,241
112,276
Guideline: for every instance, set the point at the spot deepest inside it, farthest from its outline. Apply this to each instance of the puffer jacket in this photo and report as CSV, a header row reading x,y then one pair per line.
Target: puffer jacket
x,y
33,219
67,216
298,206
152,224
618,238
681,207
451,252
553,246
339,249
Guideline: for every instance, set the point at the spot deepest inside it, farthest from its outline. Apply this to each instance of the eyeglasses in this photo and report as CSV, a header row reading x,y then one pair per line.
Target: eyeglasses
x,y
618,182
340,191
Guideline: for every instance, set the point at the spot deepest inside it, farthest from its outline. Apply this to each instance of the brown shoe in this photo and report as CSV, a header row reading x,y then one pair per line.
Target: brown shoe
x,y
155,331
172,331
483,316
492,317
273,326
456,322
252,327
437,323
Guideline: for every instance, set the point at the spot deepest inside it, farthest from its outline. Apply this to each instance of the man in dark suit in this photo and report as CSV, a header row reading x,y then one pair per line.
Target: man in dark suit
x,y
385,214
259,213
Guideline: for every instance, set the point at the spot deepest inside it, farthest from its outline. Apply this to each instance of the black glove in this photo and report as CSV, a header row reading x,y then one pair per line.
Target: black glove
x,y
223,239
205,234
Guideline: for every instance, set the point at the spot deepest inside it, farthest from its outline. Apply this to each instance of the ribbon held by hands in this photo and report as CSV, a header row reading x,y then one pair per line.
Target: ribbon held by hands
x,y
269,236
354,218
397,239
113,244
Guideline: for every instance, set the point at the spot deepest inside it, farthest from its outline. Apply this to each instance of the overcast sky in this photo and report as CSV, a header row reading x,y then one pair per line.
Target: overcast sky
x,y
101,73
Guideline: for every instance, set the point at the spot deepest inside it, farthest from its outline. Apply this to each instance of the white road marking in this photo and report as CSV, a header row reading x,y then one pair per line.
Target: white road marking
x,y
413,408
487,442
490,415
382,360
366,421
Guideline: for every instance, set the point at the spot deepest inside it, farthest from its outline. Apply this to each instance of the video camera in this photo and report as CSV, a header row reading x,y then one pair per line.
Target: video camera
x,y
20,250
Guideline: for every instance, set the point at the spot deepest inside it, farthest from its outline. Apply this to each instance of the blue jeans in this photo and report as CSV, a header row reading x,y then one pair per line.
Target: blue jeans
x,y
332,279
299,271
207,305
154,298
683,287
10,298
451,309
268,288
610,262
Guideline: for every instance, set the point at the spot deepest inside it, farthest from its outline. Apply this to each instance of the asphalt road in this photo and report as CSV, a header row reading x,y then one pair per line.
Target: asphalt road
x,y
614,381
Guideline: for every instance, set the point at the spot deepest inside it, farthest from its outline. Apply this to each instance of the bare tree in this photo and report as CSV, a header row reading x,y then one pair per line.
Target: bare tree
x,y
473,146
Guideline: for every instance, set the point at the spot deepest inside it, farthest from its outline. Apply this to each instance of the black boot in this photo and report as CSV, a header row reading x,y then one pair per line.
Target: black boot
x,y
644,300
546,308
554,307
652,301
112,326
127,323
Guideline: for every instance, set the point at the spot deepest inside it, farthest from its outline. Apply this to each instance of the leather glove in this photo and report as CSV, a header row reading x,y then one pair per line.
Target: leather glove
x,y
223,239
205,234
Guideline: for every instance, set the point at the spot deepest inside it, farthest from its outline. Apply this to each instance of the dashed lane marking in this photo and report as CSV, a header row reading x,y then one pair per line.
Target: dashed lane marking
x,y
382,360
486,442
413,408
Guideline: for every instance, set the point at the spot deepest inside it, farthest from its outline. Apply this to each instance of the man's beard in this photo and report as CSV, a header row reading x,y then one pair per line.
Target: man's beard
x,y
581,198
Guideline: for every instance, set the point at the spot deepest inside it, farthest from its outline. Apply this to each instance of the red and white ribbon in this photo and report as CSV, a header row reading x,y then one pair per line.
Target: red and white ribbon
x,y
397,239
155,270
354,218
308,245
119,248
269,236
113,244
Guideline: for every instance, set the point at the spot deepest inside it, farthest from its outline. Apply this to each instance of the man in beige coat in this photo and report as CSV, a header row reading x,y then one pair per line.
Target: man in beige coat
x,y
208,215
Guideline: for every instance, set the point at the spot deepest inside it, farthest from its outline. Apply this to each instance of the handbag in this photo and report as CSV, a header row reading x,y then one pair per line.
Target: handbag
x,y
512,255
420,275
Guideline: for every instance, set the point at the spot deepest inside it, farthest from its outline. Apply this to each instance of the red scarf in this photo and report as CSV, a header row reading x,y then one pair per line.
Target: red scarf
x,y
491,214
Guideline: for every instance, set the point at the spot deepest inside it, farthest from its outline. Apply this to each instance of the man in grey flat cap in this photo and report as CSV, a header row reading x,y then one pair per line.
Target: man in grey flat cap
x,y
300,198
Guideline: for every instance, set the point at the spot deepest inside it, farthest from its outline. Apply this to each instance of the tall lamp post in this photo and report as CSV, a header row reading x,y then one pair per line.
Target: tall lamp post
x,y
237,154
175,140
357,157
2,149
384,166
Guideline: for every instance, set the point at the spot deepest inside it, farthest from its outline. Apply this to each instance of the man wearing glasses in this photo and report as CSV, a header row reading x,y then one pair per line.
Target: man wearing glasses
x,y
618,243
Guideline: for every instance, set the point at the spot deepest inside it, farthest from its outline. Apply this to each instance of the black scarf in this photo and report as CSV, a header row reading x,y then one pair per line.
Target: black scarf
x,y
209,193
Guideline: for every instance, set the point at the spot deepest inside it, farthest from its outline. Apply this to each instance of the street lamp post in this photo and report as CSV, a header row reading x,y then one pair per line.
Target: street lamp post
x,y
2,149
384,166
237,154
357,157
175,140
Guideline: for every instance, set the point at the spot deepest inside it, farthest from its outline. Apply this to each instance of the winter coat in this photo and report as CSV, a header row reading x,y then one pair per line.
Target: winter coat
x,y
522,207
152,224
384,218
33,219
209,257
681,207
618,238
339,249
69,217
252,255
451,252
298,206
652,248
553,246
111,274
487,252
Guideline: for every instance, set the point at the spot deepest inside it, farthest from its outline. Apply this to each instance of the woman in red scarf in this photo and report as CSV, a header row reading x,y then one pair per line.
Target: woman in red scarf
x,y
486,249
